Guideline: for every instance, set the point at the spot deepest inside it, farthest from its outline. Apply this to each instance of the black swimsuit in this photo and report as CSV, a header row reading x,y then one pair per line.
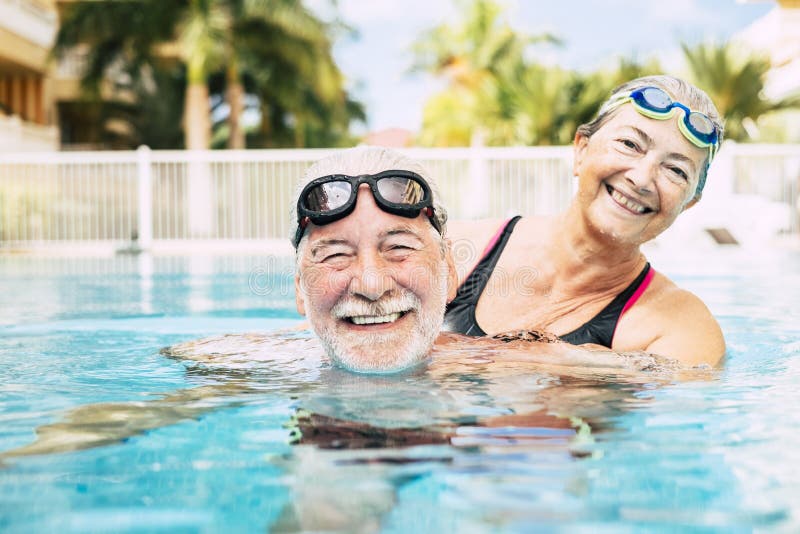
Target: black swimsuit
x,y
460,314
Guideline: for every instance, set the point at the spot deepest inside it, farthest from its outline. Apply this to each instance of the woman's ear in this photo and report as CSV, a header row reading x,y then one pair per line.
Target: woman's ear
x,y
578,150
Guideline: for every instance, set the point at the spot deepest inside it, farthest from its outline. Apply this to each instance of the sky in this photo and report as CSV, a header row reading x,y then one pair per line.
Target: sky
x,y
593,33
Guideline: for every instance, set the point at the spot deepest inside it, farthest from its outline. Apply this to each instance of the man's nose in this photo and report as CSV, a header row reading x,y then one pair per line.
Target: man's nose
x,y
371,280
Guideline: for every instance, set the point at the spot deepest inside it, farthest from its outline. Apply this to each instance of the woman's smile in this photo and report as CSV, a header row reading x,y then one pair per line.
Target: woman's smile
x,y
628,203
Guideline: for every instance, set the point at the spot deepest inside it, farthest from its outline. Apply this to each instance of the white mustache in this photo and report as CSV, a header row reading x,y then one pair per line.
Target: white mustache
x,y
350,306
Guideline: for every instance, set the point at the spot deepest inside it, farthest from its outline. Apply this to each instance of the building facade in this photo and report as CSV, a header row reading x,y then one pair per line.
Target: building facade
x,y
28,118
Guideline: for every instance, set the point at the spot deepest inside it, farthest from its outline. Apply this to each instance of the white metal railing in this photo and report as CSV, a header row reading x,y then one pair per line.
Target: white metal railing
x,y
173,199
182,196
771,172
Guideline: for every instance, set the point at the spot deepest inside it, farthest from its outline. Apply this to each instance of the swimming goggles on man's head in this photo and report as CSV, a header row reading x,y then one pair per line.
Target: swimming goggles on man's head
x,y
330,198
655,103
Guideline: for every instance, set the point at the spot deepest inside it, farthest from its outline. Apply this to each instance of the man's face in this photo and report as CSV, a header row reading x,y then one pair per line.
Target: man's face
x,y
374,287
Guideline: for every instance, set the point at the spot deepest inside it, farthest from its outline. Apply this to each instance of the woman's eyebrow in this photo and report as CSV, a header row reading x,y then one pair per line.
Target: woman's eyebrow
x,y
642,134
682,158
674,155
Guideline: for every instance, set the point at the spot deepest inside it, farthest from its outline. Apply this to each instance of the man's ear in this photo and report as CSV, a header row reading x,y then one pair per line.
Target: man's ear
x,y
578,149
452,273
298,296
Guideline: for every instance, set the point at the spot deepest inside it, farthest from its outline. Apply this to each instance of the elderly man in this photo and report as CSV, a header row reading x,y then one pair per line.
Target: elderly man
x,y
373,269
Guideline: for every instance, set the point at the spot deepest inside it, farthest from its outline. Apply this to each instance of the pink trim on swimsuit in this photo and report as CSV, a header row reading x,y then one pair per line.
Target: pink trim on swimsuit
x,y
639,290
492,243
494,239
631,301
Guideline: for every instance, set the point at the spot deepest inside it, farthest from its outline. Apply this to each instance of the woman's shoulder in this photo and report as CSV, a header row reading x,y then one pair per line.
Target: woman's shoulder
x,y
663,298
677,323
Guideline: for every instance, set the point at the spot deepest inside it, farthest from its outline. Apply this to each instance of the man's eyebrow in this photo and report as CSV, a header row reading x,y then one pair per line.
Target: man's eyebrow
x,y
327,242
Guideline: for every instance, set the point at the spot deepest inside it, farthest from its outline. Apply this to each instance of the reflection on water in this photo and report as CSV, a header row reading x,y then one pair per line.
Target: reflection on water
x,y
431,404
359,440
101,432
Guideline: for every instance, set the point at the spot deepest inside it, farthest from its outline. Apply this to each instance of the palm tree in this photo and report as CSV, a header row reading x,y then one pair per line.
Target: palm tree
x,y
735,83
448,119
146,111
120,39
272,41
496,90
476,56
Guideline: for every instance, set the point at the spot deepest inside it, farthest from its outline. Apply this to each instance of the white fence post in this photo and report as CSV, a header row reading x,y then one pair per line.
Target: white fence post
x,y
476,197
145,204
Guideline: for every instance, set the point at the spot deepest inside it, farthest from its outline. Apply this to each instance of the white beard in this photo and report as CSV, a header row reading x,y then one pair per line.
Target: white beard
x,y
365,352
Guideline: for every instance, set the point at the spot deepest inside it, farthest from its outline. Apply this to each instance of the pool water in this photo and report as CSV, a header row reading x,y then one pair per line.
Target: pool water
x,y
130,440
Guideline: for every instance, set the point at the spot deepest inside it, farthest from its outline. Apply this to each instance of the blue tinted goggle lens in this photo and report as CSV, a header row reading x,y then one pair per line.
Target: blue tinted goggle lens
x,y
658,101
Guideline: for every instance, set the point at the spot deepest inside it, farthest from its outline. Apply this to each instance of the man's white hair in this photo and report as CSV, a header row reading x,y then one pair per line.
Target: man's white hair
x,y
367,160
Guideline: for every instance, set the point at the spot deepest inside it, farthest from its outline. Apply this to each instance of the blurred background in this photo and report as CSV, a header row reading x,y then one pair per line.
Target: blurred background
x,y
160,83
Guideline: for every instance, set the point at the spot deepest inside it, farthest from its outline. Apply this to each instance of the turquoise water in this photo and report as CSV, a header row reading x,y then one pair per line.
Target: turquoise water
x,y
133,441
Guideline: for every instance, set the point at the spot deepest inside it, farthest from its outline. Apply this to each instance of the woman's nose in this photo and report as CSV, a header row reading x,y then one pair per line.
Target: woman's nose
x,y
642,175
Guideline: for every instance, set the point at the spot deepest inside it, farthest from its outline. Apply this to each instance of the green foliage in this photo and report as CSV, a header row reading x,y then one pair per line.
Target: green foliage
x,y
277,49
478,56
735,82
149,112
496,91
22,206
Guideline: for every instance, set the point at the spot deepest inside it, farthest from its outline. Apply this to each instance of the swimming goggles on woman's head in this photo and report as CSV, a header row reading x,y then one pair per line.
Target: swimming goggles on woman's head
x,y
655,103
330,198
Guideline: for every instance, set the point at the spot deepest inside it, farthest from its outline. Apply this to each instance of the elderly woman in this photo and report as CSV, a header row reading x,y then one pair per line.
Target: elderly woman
x,y
581,274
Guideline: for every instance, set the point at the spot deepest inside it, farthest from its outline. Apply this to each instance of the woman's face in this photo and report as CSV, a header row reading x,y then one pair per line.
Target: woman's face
x,y
636,175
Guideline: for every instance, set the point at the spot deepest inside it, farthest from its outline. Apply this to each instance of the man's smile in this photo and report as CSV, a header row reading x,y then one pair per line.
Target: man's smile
x,y
375,319
372,323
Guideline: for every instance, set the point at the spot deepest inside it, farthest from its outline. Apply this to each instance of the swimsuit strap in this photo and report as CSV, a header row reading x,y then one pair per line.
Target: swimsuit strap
x,y
649,274
600,328
460,313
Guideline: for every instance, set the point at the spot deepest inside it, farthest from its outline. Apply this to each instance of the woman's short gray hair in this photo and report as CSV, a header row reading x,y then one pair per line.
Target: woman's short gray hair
x,y
680,91
367,160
